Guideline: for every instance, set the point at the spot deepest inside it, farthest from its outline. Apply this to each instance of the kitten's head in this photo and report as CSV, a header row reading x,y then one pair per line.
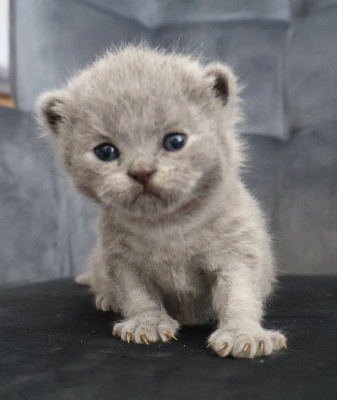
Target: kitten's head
x,y
146,132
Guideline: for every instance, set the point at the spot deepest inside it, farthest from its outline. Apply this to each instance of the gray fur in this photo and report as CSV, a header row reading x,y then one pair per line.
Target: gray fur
x,y
195,247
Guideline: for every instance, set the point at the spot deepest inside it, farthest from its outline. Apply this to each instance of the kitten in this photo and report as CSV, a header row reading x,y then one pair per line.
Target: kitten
x,y
150,136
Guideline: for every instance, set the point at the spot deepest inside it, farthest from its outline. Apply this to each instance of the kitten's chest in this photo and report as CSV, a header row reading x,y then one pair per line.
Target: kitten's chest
x,y
160,247
171,263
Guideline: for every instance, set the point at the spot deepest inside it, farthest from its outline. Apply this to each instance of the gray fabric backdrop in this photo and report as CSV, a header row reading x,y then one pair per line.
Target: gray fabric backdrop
x,y
288,62
53,38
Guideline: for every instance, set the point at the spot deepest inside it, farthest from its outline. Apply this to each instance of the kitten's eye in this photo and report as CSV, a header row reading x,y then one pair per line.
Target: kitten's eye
x,y
106,152
174,141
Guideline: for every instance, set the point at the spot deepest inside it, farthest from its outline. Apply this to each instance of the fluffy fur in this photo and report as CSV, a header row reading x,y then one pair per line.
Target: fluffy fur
x,y
191,245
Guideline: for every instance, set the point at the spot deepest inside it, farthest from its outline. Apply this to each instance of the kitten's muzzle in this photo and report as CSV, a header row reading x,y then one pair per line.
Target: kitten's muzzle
x,y
141,176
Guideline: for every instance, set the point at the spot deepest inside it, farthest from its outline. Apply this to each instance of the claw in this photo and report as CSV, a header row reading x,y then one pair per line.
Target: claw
x,y
169,335
224,347
261,345
209,345
283,343
144,338
128,336
114,333
246,347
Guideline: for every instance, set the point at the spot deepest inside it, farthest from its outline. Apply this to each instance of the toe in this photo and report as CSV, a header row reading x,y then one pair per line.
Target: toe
x,y
278,341
244,347
264,346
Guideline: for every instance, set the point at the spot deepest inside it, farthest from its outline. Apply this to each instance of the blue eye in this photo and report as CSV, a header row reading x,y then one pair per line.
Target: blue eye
x,y
174,141
106,152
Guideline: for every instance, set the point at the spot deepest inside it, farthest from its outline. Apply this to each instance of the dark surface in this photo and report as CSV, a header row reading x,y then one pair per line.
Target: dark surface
x,y
55,345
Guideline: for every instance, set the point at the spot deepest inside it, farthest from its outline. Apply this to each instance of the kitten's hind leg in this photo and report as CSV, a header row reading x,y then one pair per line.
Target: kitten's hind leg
x,y
84,279
102,284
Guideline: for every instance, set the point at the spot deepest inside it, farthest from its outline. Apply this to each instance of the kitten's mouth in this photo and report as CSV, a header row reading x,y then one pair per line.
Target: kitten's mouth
x,y
147,203
147,194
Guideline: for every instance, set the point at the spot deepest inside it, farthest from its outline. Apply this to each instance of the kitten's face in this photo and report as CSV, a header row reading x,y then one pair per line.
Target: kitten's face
x,y
144,163
147,146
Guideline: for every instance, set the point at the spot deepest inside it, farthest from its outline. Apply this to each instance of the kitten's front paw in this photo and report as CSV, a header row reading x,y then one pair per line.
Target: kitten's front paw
x,y
245,344
145,330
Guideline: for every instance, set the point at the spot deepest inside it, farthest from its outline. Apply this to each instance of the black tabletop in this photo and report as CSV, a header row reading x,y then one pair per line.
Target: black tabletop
x,y
56,345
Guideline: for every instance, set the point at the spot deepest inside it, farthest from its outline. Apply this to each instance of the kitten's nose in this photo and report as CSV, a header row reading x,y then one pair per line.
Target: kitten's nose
x,y
141,176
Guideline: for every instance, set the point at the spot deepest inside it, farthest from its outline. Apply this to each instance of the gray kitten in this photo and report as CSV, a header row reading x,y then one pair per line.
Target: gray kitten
x,y
150,136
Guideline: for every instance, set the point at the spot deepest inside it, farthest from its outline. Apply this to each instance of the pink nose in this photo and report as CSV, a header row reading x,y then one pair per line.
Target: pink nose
x,y
141,176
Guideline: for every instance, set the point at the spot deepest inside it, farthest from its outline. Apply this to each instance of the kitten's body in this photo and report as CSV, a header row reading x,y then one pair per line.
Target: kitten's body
x,y
189,245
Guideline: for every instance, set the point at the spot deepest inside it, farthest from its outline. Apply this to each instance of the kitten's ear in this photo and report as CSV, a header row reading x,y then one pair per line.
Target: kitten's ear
x,y
222,81
50,111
